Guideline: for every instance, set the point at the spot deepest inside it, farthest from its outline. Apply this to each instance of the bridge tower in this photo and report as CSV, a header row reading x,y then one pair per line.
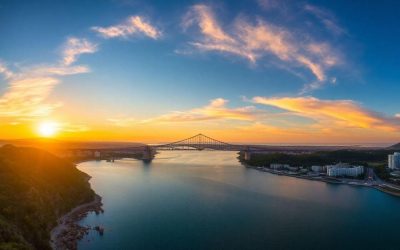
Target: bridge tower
x,y
247,154
148,154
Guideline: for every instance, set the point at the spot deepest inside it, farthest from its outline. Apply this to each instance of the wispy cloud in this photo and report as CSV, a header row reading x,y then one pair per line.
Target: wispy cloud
x,y
268,4
29,87
5,71
326,18
73,127
134,25
261,39
56,70
203,16
217,109
122,121
333,113
75,47
24,97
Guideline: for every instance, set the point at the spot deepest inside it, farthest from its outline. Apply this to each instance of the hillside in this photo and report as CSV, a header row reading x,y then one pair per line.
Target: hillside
x,y
355,157
395,147
35,189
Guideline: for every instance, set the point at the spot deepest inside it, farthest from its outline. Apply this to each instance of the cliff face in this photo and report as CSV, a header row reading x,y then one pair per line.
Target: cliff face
x,y
35,189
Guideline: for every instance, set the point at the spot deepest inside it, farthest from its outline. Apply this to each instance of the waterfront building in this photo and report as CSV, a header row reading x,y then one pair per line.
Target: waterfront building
x,y
394,161
340,170
279,166
97,154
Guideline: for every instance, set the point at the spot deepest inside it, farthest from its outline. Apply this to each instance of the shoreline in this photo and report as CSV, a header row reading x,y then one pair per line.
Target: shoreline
x,y
67,232
383,188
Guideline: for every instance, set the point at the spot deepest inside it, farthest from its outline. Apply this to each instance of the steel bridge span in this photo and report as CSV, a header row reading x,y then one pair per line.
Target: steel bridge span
x,y
197,142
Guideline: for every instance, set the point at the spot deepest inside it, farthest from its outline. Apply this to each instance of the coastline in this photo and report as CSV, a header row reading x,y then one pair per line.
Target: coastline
x,y
383,188
67,233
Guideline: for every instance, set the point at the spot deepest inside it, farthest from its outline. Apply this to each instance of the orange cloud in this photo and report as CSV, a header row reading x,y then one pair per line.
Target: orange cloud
x,y
29,87
333,113
215,110
24,98
205,18
133,25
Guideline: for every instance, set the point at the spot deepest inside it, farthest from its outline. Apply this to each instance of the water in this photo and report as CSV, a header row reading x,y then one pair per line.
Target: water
x,y
207,200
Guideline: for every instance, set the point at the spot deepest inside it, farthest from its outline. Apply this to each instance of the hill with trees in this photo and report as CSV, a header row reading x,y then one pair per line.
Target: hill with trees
x,y
36,188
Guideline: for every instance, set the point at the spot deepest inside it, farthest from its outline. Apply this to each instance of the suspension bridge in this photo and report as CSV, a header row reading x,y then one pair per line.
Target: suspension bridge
x,y
197,142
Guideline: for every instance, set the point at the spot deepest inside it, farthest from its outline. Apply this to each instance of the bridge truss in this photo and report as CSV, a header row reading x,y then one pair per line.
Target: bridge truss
x,y
199,142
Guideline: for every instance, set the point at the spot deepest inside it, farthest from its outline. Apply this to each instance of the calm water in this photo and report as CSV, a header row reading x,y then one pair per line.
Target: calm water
x,y
207,200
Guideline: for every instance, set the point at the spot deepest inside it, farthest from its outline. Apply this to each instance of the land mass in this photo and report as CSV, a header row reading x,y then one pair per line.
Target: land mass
x,y
374,161
36,189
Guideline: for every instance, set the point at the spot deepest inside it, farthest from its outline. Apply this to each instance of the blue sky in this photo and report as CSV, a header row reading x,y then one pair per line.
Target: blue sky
x,y
170,59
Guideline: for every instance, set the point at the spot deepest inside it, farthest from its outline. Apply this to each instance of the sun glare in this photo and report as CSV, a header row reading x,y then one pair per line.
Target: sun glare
x,y
47,129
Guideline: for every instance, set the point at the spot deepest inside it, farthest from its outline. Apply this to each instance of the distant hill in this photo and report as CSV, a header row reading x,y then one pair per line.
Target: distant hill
x,y
36,188
56,146
395,147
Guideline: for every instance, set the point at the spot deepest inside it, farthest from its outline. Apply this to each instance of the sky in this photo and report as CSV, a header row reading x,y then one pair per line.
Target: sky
x,y
260,71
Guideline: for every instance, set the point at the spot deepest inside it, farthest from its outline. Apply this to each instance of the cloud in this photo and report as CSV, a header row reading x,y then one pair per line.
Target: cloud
x,y
122,121
326,18
29,87
134,25
5,71
58,70
203,16
73,128
75,47
268,4
24,97
259,40
215,110
333,113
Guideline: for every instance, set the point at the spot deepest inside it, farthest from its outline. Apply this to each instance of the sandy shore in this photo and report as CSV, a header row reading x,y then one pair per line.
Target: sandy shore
x,y
68,232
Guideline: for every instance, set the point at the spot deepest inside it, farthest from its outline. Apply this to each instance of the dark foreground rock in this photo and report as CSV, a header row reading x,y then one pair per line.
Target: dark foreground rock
x,y
68,232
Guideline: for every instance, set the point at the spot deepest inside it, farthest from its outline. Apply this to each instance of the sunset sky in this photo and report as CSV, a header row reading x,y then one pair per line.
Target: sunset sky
x,y
264,71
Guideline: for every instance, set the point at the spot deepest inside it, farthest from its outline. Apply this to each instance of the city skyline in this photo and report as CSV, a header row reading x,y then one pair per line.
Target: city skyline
x,y
257,71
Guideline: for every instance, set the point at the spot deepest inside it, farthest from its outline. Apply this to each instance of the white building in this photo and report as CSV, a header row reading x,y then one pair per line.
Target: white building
x,y
394,161
338,170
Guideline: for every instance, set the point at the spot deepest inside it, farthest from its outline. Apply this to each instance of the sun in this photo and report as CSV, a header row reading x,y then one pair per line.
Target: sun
x,y
48,128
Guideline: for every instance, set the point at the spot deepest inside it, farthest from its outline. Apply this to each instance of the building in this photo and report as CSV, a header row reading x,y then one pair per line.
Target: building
x,y
394,161
279,166
97,154
344,170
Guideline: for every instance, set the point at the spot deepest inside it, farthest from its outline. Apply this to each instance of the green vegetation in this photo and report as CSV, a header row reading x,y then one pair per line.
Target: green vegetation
x,y
368,158
36,188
